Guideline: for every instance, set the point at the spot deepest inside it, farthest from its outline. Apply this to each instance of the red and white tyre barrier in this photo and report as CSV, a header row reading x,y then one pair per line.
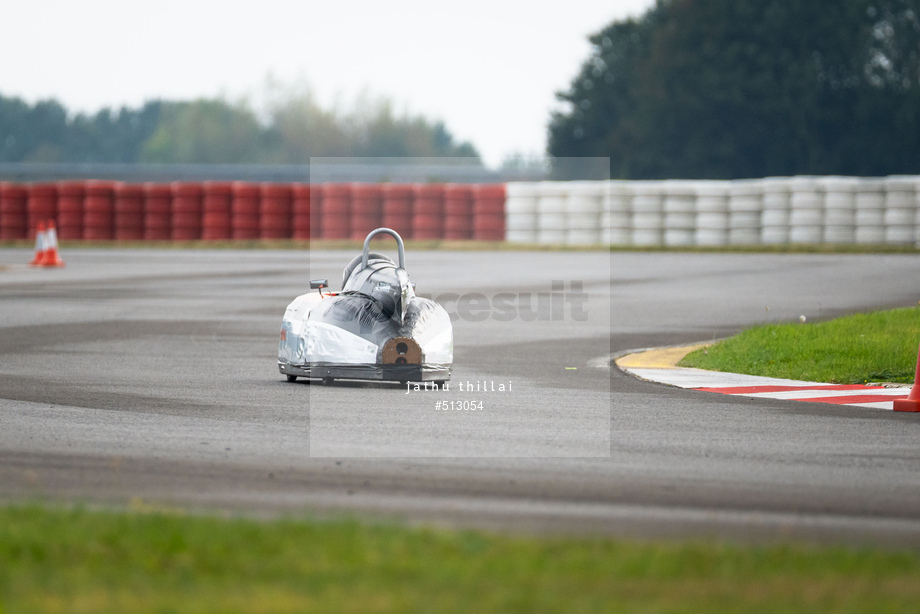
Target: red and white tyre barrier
x,y
300,211
216,208
336,211
428,211
769,211
71,195
244,209
458,211
129,212
275,211
366,209
157,212
14,211
186,211
397,209
99,211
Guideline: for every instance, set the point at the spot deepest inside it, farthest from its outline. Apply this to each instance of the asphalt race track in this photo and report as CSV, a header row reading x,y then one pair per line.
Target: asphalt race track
x,y
152,374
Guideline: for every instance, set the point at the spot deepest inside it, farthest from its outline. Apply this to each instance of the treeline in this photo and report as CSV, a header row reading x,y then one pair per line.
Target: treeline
x,y
291,129
728,89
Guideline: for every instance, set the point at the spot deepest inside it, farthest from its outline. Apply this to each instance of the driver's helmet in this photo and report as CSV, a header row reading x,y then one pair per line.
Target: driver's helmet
x,y
371,257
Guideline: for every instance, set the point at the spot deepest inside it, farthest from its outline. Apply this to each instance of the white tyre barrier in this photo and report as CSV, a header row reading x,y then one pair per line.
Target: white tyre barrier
x,y
679,206
551,196
775,217
521,212
900,216
806,211
839,209
522,223
745,204
583,237
647,213
616,218
586,197
520,236
870,211
775,210
521,197
551,212
711,212
584,206
551,236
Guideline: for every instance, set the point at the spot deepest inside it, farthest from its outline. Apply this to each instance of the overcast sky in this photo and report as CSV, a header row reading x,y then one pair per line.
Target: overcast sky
x,y
488,69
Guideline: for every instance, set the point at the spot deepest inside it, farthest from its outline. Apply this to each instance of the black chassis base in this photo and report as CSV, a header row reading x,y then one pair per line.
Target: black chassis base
x,y
378,373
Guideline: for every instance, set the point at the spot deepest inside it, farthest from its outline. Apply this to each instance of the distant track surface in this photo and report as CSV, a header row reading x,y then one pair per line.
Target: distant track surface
x,y
146,373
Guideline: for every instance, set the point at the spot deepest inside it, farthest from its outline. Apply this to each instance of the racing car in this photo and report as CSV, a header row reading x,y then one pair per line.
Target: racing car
x,y
375,328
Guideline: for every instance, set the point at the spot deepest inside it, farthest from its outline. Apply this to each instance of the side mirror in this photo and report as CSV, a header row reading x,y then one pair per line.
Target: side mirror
x,y
319,284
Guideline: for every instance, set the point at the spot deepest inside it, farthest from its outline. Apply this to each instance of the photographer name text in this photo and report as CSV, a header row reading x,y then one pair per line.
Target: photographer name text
x,y
467,386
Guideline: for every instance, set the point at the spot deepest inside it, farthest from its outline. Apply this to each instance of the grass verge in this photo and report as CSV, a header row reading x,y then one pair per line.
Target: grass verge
x,y
867,347
75,560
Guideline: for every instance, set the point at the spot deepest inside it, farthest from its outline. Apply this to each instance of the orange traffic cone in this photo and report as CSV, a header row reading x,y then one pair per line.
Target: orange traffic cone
x,y
51,258
912,402
40,244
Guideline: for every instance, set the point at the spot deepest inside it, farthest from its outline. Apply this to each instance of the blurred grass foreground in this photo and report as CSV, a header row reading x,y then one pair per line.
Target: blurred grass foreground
x,y
77,560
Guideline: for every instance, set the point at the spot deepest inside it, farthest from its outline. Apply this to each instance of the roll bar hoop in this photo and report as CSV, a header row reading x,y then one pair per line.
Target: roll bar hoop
x,y
399,245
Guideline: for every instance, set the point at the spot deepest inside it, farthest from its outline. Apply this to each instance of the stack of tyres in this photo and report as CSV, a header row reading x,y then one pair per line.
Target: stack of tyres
x,y
428,211
489,212
186,211
647,213
777,193
216,215
552,219
157,217
99,211
42,204
583,207
679,207
244,208
745,210
14,217
70,209
275,211
616,219
397,209
870,211
806,210
521,210
129,211
458,211
900,209
317,194
839,220
336,210
300,211
366,209
711,225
